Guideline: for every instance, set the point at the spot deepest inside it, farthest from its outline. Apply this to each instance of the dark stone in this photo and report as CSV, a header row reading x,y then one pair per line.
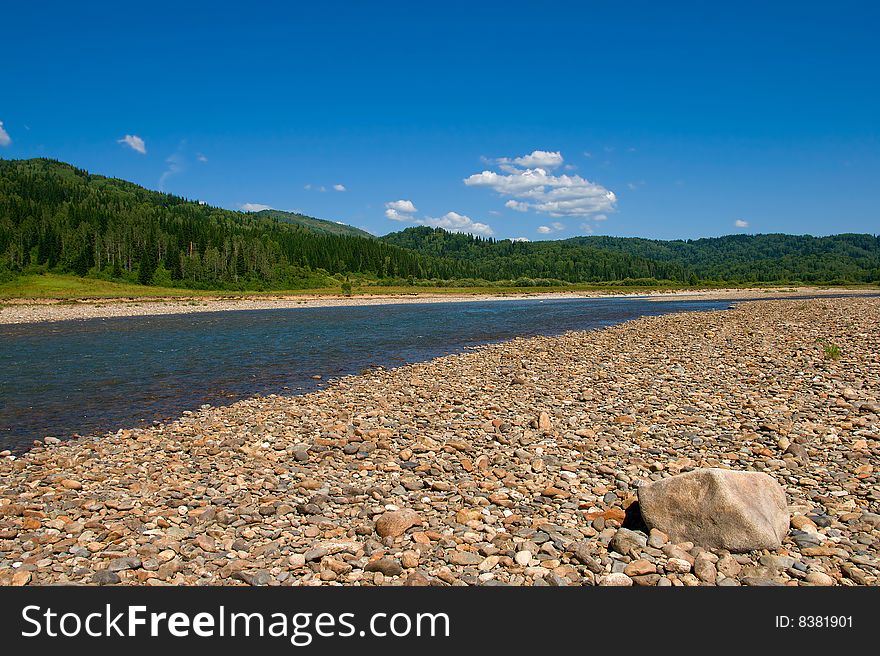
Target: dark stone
x,y
105,577
257,578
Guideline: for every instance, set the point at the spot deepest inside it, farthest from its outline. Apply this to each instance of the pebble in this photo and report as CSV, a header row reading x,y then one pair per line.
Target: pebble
x,y
444,472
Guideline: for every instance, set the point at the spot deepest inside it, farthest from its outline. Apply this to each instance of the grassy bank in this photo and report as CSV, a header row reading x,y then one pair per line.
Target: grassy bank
x,y
68,287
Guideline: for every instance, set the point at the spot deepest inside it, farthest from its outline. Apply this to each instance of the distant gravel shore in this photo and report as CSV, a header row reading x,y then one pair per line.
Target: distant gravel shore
x,y
515,464
32,311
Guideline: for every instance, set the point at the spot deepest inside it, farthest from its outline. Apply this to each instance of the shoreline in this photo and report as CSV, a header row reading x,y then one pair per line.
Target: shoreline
x,y
23,311
515,461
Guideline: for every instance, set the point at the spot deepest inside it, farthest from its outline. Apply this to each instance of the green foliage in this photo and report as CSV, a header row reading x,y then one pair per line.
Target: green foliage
x,y
832,351
64,220
838,259
313,224
510,260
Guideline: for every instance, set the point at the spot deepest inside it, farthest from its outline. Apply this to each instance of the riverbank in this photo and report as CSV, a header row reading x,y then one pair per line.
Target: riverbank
x,y
513,463
16,311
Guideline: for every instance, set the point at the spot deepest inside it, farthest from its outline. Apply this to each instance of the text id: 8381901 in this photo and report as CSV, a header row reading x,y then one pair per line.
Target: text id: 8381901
x,y
814,622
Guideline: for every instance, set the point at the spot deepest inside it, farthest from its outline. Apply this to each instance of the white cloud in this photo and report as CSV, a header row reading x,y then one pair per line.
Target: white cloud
x,y
254,207
587,228
557,226
176,164
405,206
396,215
339,187
134,142
516,206
536,159
400,210
545,230
307,187
599,217
201,157
739,223
5,139
455,222
540,191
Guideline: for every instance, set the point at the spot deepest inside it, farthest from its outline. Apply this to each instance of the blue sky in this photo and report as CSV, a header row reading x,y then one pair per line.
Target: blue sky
x,y
521,120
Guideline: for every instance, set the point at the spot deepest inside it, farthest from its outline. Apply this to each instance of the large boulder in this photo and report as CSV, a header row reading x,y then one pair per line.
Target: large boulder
x,y
717,508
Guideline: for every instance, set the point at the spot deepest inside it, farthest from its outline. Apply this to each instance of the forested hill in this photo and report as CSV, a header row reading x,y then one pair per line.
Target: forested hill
x,y
849,257
59,218
559,260
735,258
310,222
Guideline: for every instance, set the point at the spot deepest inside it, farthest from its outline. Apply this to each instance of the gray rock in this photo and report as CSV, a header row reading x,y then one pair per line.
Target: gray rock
x,y
718,508
256,578
626,540
120,564
105,577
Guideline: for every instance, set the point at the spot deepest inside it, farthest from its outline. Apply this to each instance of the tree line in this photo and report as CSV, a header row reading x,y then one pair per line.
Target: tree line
x,y
55,217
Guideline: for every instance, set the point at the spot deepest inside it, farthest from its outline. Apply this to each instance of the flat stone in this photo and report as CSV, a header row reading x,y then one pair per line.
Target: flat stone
x,y
388,566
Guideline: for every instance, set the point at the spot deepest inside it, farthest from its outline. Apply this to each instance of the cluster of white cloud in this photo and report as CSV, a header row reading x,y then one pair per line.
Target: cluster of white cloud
x,y
405,210
739,223
5,139
529,185
455,222
339,187
254,207
134,142
400,210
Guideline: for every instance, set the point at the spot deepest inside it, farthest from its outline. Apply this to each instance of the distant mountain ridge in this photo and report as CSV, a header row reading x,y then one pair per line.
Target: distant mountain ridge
x,y
310,222
733,258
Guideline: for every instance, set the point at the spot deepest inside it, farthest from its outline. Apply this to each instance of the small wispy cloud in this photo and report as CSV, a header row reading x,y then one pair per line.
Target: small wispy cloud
x,y
200,157
339,187
134,142
740,223
5,139
254,207
176,164
556,226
